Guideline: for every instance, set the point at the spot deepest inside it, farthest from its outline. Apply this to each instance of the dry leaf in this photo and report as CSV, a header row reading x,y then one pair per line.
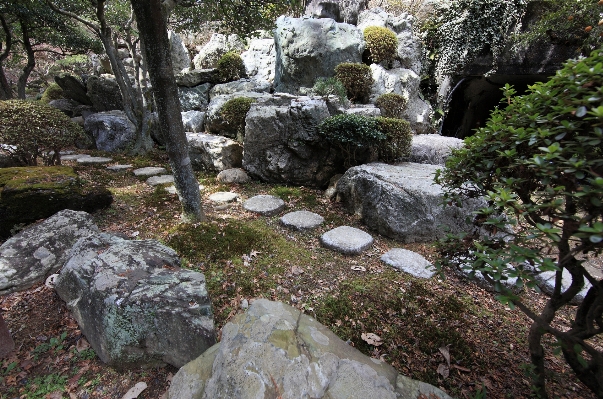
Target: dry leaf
x,y
371,339
359,268
135,390
297,270
54,395
443,370
82,345
446,353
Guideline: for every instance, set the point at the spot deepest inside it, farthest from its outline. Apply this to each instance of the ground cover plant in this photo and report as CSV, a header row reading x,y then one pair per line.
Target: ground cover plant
x,y
245,256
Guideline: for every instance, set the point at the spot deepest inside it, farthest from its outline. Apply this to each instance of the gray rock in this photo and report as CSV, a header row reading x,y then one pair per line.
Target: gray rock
x,y
213,153
266,205
193,121
79,120
546,281
345,11
260,60
73,88
104,93
64,105
310,48
178,52
194,98
223,197
409,262
379,17
364,110
432,148
331,191
347,240
402,201
119,168
112,131
214,123
149,171
196,77
238,86
172,189
40,250
133,302
275,344
93,160
302,220
73,157
234,175
218,45
157,180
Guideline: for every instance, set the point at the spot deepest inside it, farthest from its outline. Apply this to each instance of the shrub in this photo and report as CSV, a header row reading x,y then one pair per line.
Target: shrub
x,y
357,80
398,139
539,164
330,87
36,130
231,67
234,112
391,105
52,92
351,133
381,43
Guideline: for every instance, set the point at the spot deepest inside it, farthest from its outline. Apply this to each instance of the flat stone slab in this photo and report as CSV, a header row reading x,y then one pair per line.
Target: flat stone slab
x,y
302,220
409,262
73,157
223,197
119,168
157,180
150,171
347,240
172,189
94,160
266,205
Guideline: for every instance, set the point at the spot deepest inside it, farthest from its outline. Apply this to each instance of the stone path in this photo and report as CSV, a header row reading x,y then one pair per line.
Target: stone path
x,y
266,205
347,240
93,160
409,262
223,197
150,171
302,220
161,179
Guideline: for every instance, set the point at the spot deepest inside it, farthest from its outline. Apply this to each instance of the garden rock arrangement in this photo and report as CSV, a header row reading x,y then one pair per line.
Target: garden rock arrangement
x,y
347,240
275,350
214,153
432,148
266,205
409,262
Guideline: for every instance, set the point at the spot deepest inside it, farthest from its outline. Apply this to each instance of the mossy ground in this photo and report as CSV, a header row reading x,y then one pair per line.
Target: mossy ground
x,y
246,256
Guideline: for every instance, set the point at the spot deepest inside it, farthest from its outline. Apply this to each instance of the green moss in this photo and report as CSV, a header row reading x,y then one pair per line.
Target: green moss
x,y
52,92
231,67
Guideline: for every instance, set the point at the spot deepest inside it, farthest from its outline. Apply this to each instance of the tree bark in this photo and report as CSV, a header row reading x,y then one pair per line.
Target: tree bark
x,y
31,61
152,26
6,92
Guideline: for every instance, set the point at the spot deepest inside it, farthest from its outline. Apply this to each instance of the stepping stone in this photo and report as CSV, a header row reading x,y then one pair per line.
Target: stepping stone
x,y
302,220
93,160
409,262
222,197
150,171
118,168
172,189
266,205
73,157
347,240
157,180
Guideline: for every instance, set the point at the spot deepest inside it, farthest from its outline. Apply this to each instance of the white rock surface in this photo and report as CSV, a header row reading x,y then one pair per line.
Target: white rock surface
x,y
347,240
409,262
266,205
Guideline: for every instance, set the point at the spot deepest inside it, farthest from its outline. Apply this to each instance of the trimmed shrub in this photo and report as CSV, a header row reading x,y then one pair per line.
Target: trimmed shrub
x,y
398,139
351,133
52,92
391,105
330,87
231,67
234,112
381,43
36,130
357,79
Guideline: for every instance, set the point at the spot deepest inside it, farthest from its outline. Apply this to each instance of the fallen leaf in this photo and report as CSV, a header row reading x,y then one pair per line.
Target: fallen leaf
x,y
135,390
371,339
297,270
443,370
82,344
359,268
446,353
54,395
461,368
254,253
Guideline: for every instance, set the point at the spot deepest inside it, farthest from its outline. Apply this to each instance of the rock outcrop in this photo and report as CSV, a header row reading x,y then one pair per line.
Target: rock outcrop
x,y
218,45
213,153
112,130
179,53
104,93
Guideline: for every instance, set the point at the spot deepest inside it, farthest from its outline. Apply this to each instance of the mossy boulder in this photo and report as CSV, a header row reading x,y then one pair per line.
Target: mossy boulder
x,y
31,193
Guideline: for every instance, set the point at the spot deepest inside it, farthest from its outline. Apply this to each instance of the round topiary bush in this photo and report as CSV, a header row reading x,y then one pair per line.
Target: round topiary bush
x,y
381,43
231,67
351,132
398,139
52,92
35,130
234,112
357,79
391,105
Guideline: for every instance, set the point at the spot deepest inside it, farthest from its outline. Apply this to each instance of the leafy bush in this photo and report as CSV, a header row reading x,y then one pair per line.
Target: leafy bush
x,y
391,105
231,67
398,139
381,43
330,87
539,163
52,92
35,130
351,133
357,80
234,112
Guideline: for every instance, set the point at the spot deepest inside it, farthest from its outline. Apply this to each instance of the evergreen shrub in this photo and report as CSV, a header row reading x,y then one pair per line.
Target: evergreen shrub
x,y
330,87
397,141
234,112
381,43
391,105
52,92
231,67
357,79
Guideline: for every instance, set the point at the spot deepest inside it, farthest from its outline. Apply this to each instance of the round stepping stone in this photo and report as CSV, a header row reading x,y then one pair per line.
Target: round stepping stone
x,y
157,180
409,262
266,205
93,160
73,157
172,189
118,168
302,220
222,197
150,171
346,240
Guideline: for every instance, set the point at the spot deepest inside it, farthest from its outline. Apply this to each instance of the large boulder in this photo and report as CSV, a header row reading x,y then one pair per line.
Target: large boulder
x,y
218,45
73,89
196,77
307,49
134,303
112,130
178,52
40,250
432,148
403,202
213,153
31,193
240,86
260,59
274,350
104,93
193,121
194,98
346,11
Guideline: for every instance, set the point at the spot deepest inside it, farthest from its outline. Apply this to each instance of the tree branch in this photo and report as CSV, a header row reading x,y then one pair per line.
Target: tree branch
x,y
89,24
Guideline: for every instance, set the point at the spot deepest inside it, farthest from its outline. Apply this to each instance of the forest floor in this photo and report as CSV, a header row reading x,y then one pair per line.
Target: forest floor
x,y
245,256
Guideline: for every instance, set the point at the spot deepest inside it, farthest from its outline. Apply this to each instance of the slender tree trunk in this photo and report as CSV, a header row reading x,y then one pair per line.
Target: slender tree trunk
x,y
152,26
6,92
31,62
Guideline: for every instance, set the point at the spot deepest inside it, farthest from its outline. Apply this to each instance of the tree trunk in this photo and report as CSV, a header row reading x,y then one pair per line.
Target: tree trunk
x,y
31,62
152,26
6,92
